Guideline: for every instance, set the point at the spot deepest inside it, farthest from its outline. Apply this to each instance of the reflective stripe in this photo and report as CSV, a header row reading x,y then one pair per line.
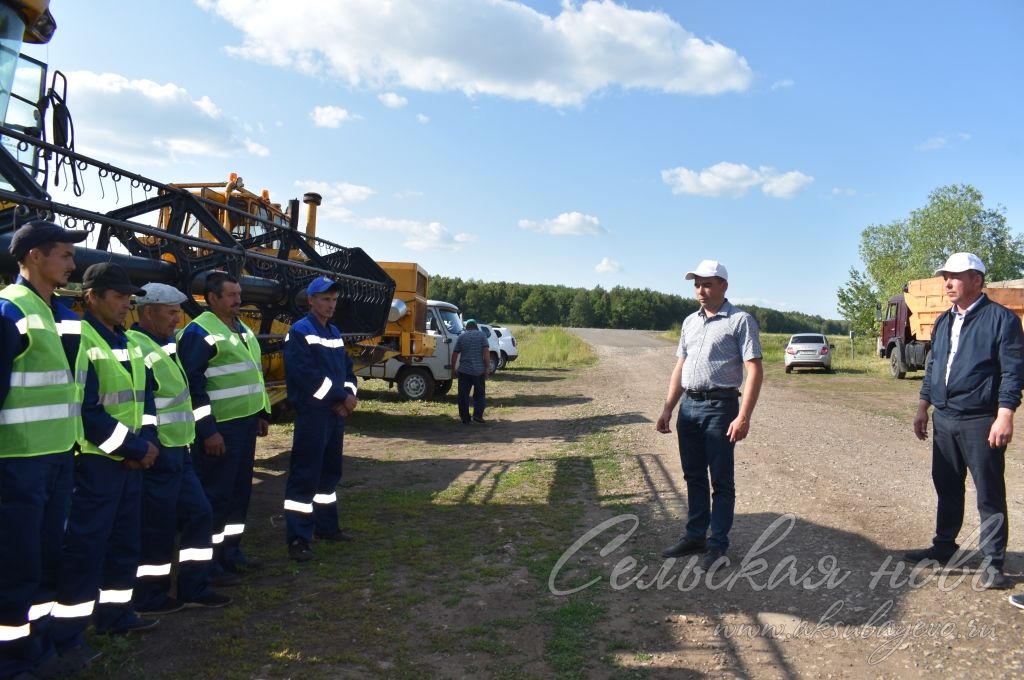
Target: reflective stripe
x,y
124,396
325,387
33,321
81,376
148,419
38,611
171,348
115,596
8,633
195,554
72,611
202,412
120,354
295,506
174,417
211,339
69,327
352,386
217,538
228,369
331,343
233,529
168,402
323,498
116,439
39,378
153,570
31,414
239,391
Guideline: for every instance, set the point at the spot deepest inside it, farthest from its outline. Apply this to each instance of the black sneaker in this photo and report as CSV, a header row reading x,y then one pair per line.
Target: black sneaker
x,y
341,535
168,606
684,546
225,580
993,578
935,553
299,551
136,626
68,663
477,419
211,600
713,559
1017,600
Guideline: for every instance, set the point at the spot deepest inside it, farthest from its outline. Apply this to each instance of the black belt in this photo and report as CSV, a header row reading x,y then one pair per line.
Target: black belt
x,y
716,393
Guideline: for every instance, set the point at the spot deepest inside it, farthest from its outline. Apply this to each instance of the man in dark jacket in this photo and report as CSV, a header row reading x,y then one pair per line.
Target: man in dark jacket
x,y
974,380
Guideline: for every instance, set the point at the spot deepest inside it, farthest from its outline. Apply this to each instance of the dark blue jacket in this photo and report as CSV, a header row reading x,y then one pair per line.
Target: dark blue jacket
x,y
318,370
988,370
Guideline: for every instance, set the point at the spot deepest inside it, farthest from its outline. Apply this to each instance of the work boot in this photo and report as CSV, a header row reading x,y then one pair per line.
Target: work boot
x,y
685,546
935,553
299,551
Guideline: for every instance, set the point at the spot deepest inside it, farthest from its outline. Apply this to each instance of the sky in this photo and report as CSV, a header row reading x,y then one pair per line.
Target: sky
x,y
583,143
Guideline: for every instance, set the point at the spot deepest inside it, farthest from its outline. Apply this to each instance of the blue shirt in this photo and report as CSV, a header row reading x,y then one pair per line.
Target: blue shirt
x,y
99,424
471,345
318,370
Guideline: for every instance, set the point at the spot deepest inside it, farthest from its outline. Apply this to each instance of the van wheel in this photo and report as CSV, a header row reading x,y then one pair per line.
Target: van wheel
x,y
502,361
415,384
442,387
897,366
494,362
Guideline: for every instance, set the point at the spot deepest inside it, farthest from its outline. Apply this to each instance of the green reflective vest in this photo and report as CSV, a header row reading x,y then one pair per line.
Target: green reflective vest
x,y
175,424
234,376
122,394
42,411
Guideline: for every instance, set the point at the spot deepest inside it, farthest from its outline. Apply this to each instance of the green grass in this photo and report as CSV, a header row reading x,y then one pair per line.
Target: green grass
x,y
550,347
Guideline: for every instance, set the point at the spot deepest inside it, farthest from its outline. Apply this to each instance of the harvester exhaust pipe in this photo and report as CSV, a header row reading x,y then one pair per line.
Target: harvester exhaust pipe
x,y
313,201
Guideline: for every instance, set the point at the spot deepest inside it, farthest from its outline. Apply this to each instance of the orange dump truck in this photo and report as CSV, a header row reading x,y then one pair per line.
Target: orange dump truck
x,y
906,326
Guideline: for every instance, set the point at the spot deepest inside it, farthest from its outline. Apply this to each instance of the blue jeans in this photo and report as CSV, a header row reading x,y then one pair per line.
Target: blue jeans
x,y
704,447
476,383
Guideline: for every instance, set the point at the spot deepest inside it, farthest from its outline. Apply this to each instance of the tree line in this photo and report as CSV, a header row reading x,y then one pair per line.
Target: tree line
x,y
620,307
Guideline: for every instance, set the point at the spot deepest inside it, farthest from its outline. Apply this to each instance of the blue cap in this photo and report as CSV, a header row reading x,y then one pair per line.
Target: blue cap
x,y
321,284
39,232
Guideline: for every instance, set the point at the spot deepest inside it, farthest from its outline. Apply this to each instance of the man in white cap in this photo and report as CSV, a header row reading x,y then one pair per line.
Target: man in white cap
x,y
716,344
974,380
172,496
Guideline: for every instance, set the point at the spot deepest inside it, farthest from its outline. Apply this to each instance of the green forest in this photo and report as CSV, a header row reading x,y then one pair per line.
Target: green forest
x,y
644,309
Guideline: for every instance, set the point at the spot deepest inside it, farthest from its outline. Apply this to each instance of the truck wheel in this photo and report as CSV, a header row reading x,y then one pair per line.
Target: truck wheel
x,y
502,361
442,387
789,369
494,362
415,384
897,366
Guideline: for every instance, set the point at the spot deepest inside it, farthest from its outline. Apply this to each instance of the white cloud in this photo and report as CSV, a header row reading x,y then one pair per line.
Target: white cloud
x,y
933,143
142,123
780,84
608,266
566,224
840,191
422,118
733,180
416,235
392,100
965,136
501,48
331,116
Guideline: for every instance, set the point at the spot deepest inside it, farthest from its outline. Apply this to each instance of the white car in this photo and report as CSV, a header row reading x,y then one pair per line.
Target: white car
x,y
492,342
809,350
508,350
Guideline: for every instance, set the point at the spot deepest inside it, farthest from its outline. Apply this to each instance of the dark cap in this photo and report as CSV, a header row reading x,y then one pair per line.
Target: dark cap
x,y
39,232
109,276
321,284
470,322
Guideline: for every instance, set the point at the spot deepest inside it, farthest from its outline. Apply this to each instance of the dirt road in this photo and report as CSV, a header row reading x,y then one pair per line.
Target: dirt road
x,y
852,487
478,544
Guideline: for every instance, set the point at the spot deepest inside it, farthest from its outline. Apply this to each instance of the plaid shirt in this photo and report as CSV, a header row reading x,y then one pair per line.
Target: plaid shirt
x,y
716,346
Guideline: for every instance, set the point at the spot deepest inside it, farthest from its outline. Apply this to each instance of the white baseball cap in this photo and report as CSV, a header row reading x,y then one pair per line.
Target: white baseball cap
x,y
160,294
708,268
961,262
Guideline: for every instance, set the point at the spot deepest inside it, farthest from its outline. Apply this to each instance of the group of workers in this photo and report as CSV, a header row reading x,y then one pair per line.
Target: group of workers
x,y
125,451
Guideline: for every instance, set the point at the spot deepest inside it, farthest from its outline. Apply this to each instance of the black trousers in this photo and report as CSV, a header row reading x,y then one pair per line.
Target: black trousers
x,y
960,445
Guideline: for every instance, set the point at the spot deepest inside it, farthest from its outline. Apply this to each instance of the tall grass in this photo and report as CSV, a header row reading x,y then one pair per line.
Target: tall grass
x,y
550,347
863,358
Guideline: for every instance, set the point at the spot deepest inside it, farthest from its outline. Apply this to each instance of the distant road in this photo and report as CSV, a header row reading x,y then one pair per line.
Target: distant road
x,y
611,337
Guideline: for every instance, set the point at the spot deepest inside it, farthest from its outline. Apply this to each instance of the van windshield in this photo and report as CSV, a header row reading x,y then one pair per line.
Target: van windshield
x,y
452,322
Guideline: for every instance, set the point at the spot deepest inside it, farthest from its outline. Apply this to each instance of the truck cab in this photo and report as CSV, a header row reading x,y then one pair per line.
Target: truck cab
x,y
420,377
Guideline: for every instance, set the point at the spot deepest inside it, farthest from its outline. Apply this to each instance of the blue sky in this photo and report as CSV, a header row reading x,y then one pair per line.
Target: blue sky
x,y
576,143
